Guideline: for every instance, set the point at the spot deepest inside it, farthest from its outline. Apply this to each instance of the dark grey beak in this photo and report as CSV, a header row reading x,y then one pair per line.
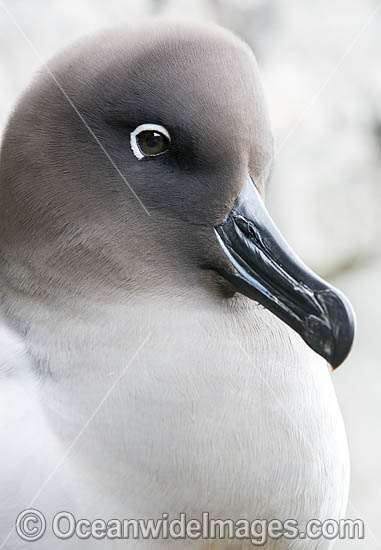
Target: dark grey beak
x,y
269,272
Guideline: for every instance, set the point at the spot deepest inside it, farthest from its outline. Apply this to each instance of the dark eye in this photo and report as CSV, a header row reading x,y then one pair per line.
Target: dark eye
x,y
149,140
152,143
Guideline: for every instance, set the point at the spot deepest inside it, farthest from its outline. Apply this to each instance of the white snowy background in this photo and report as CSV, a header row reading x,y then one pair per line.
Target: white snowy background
x,y
321,67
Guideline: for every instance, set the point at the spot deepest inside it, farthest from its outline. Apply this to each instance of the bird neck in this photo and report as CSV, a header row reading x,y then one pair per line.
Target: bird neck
x,y
71,310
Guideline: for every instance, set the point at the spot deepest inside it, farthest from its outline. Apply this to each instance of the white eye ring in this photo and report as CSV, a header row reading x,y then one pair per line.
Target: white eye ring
x,y
144,128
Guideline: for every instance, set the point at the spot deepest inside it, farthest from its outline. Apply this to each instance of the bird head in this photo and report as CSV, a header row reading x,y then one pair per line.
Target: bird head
x,y
138,159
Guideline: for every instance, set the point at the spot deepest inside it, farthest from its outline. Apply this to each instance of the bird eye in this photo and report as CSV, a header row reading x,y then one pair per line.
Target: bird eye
x,y
149,140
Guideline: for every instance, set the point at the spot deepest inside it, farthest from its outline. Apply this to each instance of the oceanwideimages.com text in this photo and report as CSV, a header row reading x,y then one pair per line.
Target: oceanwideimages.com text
x,y
31,525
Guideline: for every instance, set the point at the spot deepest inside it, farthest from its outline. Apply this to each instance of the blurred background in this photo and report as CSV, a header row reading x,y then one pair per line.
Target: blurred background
x,y
320,62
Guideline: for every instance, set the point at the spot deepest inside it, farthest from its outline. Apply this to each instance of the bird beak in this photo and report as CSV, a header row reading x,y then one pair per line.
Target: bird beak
x,y
268,271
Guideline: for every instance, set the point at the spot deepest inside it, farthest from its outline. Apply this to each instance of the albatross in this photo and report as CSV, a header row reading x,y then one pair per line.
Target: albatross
x,y
164,351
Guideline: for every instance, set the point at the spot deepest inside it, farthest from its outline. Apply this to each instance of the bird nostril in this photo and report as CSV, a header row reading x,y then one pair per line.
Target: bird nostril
x,y
249,229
